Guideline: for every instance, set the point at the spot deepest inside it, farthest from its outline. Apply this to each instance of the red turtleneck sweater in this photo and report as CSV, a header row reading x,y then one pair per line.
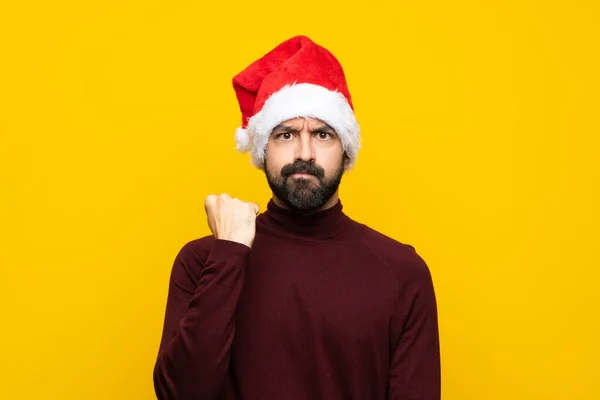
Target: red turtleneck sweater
x,y
321,307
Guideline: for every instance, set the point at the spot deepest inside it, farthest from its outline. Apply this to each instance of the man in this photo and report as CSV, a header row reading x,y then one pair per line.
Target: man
x,y
300,302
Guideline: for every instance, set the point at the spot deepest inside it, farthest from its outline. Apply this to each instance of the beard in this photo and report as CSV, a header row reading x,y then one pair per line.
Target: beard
x,y
304,195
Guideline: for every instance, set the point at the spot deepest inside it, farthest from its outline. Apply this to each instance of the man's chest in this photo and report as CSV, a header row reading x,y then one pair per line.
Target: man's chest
x,y
315,292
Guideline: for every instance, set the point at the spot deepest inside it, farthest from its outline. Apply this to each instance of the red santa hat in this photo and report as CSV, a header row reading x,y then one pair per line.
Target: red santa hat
x,y
298,78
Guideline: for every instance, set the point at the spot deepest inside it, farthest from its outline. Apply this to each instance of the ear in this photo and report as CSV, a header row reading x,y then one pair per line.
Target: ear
x,y
346,161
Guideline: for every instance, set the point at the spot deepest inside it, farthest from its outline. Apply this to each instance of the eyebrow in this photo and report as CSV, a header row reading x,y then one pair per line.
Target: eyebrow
x,y
286,128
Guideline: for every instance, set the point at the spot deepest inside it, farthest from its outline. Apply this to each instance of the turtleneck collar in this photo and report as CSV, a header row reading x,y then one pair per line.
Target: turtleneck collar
x,y
320,225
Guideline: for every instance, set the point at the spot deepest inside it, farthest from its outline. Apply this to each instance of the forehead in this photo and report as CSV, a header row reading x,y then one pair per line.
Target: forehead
x,y
301,122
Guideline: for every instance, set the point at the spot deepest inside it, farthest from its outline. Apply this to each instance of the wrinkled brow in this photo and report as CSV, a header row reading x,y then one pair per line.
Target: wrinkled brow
x,y
283,127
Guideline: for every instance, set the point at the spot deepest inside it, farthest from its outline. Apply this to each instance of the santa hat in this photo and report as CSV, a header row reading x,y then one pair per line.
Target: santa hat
x,y
298,78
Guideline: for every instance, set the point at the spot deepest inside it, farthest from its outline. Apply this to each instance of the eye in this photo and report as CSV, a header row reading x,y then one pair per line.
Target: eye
x,y
324,135
284,136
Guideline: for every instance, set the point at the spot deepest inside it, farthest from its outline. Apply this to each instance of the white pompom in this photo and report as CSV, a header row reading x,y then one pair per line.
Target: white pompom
x,y
242,140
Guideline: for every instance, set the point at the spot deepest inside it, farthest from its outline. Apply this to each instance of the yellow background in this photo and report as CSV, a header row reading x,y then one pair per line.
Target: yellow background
x,y
480,127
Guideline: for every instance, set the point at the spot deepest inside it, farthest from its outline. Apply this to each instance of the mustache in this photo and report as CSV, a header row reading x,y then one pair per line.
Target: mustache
x,y
302,167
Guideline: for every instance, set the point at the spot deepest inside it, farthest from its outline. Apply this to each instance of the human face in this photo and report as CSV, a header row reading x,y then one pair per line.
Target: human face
x,y
304,164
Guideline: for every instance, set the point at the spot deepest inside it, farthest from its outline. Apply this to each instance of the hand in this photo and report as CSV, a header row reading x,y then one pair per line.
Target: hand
x,y
231,219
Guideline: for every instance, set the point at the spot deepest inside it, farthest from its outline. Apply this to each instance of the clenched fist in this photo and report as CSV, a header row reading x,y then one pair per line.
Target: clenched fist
x,y
231,219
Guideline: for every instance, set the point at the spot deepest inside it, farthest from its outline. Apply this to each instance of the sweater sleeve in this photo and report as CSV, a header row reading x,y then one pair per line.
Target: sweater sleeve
x,y
415,366
199,327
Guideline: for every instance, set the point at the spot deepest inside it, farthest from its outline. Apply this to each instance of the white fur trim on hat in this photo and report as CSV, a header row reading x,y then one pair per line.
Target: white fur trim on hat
x,y
242,140
300,100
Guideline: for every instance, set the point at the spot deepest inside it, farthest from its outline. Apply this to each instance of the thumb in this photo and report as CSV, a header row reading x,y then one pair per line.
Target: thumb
x,y
256,208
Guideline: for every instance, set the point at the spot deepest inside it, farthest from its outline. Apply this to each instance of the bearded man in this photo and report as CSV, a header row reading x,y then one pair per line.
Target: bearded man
x,y
300,302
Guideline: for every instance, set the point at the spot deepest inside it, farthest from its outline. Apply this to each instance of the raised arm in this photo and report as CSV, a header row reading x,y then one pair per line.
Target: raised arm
x,y
204,288
199,322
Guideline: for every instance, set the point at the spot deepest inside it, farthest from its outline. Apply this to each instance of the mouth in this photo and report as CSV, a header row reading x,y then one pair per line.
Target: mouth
x,y
301,175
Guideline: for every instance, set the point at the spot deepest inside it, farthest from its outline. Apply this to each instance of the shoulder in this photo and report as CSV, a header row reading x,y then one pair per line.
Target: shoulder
x,y
402,259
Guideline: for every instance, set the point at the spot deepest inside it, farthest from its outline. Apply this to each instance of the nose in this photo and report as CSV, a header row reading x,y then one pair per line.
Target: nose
x,y
305,151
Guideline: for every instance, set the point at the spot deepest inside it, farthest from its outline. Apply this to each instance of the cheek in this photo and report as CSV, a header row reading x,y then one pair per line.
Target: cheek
x,y
331,161
278,156
275,160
